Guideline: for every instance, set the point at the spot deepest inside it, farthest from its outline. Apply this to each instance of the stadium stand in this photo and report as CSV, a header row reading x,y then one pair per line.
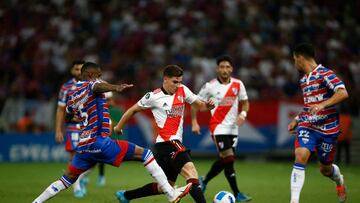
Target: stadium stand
x,y
132,40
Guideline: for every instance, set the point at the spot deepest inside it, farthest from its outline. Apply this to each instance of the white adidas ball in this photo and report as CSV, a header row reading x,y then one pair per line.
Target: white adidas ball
x,y
224,197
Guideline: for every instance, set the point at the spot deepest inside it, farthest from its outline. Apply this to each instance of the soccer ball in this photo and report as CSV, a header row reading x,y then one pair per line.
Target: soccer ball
x,y
224,197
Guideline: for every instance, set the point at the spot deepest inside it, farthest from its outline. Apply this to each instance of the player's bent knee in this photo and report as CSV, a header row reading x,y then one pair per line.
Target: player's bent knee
x,y
302,155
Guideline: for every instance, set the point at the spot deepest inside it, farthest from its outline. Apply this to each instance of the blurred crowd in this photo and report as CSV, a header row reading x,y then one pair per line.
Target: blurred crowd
x,y
133,40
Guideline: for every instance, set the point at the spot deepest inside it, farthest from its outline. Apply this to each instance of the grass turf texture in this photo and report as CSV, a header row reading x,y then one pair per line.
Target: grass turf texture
x,y
266,182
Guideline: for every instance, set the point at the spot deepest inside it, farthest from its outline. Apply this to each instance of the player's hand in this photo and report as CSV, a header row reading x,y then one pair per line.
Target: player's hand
x,y
316,108
195,128
210,104
121,87
118,131
292,126
59,137
240,120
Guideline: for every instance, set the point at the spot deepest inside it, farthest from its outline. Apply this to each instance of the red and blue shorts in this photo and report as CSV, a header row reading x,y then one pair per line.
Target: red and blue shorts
x,y
103,150
323,144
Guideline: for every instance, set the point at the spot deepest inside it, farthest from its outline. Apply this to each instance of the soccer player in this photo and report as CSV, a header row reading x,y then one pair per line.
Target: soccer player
x,y
317,126
87,103
227,92
72,129
167,105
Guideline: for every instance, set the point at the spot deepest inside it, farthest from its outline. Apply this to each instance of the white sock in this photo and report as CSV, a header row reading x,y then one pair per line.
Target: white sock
x,y
76,185
297,181
157,173
50,191
336,176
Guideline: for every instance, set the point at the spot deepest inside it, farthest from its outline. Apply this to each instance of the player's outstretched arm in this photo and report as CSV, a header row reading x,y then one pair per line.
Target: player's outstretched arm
x,y
102,87
126,117
203,106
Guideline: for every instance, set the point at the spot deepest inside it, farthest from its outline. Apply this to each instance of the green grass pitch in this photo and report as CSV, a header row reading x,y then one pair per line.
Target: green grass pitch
x,y
266,182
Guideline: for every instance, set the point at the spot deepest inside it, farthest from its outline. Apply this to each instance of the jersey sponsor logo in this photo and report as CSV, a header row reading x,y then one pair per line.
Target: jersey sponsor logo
x,y
314,98
314,118
311,88
84,97
175,111
227,101
165,104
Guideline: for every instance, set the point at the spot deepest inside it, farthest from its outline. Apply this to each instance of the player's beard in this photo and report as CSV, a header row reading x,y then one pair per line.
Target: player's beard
x,y
225,77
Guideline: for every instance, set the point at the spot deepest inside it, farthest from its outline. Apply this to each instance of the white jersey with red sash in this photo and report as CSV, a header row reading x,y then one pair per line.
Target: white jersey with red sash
x,y
168,111
226,98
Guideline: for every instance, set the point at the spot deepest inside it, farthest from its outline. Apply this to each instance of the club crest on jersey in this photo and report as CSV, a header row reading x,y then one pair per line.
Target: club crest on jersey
x,y
305,140
180,98
235,90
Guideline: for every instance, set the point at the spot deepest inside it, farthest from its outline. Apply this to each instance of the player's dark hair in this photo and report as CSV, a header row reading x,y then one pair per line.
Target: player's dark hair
x,y
224,58
305,49
173,71
89,65
78,62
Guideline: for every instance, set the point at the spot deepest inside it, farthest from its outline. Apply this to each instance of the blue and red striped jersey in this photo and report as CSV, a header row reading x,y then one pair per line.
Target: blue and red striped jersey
x,y
93,111
318,86
63,97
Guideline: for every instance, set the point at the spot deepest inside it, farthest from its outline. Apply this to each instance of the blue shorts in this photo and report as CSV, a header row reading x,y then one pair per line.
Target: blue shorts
x,y
323,144
103,150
